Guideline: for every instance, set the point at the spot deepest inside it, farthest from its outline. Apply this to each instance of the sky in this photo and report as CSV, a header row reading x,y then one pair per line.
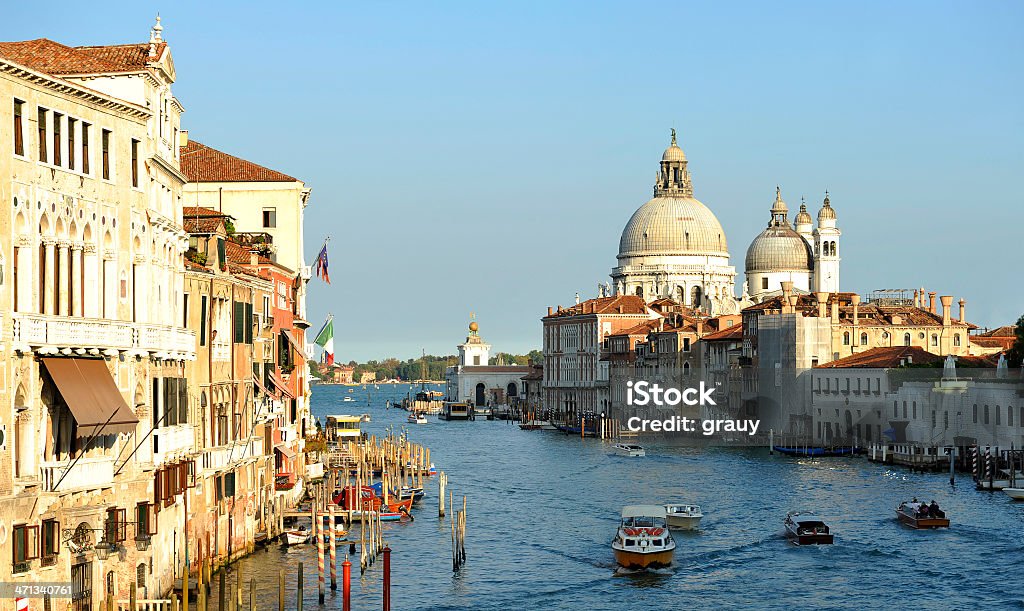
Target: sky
x,y
469,157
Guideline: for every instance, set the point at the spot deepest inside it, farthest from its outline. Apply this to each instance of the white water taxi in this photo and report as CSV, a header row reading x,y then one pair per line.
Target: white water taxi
x,y
642,540
681,516
1016,494
629,449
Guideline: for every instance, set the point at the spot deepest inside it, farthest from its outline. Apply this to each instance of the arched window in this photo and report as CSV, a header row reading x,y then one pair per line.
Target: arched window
x,y
895,409
686,369
846,338
904,410
863,339
639,291
998,419
956,339
975,413
835,250
906,339
986,414
935,339
914,407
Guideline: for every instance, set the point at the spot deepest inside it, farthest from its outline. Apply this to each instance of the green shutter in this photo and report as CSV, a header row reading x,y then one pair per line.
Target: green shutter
x,y
202,323
248,323
239,323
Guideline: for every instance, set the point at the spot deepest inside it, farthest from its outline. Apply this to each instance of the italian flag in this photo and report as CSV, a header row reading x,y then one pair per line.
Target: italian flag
x,y
325,339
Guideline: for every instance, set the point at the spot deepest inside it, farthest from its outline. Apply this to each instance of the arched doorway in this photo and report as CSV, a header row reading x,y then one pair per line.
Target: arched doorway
x,y
511,392
696,297
480,399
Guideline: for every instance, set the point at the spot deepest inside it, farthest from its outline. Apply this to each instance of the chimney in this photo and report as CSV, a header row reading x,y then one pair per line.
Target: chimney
x,y
822,298
787,290
835,310
963,310
917,299
550,310
947,303
700,327
855,300
254,258
931,302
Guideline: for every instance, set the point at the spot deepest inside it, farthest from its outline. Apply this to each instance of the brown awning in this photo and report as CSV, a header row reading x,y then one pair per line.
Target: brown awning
x,y
91,395
294,342
259,384
288,452
278,382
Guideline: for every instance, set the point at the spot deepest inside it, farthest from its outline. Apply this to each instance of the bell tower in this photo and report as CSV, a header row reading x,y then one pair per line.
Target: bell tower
x,y
826,250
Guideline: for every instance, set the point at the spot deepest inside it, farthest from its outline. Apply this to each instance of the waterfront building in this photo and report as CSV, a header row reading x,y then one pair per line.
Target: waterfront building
x,y
786,336
474,379
906,394
575,376
673,246
97,435
340,374
264,209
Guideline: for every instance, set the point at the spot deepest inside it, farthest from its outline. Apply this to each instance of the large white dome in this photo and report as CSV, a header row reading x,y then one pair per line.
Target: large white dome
x,y
673,226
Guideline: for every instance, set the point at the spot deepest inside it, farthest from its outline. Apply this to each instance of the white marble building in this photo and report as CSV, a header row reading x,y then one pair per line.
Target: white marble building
x,y
673,246
475,380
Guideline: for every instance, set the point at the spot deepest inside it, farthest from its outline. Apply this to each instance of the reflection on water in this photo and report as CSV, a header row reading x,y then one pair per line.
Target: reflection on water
x,y
543,508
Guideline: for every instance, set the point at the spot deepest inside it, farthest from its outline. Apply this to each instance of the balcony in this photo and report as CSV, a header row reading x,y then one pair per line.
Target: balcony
x,y
86,473
52,333
173,440
221,456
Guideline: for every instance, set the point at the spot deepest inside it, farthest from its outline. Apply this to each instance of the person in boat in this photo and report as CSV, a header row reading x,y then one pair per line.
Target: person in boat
x,y
923,511
935,511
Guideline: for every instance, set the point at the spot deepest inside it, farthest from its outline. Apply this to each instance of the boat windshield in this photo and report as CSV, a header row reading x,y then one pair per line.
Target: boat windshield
x,y
642,522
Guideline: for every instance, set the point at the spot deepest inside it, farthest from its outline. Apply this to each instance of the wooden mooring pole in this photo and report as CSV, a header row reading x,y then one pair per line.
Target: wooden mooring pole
x,y
334,551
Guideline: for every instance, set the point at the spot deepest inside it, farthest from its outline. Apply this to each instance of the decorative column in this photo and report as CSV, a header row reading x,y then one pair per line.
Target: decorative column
x,y
77,296
109,296
25,275
91,299
49,255
63,262
140,288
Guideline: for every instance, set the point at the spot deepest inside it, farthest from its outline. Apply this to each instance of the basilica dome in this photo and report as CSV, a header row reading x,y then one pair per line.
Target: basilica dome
x,y
669,225
779,248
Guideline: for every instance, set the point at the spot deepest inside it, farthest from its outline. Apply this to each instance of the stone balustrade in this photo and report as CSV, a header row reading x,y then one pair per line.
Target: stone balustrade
x,y
85,473
36,331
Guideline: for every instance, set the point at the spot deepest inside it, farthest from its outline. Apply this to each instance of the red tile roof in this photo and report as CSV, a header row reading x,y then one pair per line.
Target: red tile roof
x,y
620,304
885,357
45,55
201,163
1004,331
640,329
734,332
240,254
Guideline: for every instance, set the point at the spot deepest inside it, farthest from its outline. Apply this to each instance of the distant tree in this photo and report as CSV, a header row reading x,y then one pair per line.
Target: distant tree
x,y
1015,355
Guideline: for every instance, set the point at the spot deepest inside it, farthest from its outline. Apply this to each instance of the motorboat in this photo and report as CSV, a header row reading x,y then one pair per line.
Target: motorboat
x,y
364,418
296,536
804,528
643,540
421,419
347,399
369,500
629,449
1016,494
921,515
680,516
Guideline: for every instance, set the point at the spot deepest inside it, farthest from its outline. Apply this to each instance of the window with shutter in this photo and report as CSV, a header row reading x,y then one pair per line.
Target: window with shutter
x,y
202,322
158,481
248,323
182,401
239,323
229,484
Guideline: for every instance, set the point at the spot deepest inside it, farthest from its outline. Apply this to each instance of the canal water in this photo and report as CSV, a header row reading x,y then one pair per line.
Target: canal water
x,y
543,507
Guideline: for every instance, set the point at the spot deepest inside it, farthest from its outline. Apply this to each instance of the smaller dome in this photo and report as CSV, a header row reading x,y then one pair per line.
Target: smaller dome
x,y
779,248
826,212
474,327
802,217
673,152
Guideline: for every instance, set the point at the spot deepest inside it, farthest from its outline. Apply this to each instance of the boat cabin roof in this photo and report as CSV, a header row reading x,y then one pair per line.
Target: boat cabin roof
x,y
343,418
636,511
805,518
630,446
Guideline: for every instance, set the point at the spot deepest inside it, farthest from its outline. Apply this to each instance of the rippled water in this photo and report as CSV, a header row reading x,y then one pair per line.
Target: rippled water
x,y
543,508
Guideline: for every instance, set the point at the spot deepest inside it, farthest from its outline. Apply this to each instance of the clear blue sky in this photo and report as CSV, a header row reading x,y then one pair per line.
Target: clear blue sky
x,y
485,156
